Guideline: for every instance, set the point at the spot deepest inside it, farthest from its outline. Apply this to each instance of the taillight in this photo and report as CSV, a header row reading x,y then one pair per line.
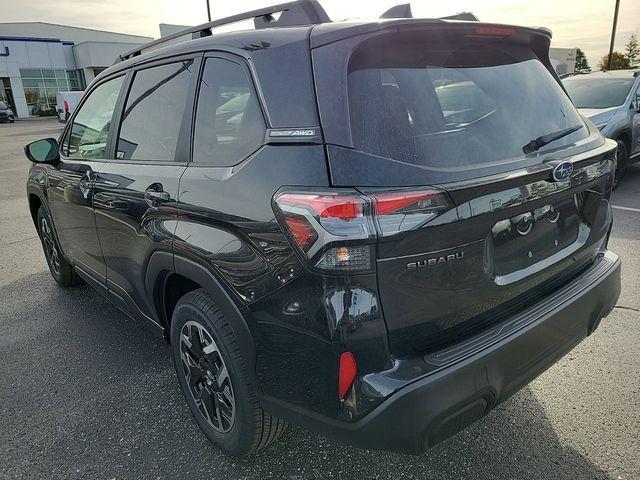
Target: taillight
x,y
342,215
405,210
337,230
344,207
303,234
349,258
324,226
347,372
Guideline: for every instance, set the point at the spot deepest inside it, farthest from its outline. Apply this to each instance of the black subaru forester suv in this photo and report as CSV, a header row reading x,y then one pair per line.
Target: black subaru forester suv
x,y
375,230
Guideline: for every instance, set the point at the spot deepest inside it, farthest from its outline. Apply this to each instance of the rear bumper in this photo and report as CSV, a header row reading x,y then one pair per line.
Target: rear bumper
x,y
431,408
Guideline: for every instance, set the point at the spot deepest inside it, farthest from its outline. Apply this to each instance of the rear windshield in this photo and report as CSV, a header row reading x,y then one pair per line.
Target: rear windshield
x,y
448,106
598,92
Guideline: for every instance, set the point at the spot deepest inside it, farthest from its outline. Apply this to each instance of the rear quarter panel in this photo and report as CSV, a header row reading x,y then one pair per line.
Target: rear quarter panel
x,y
226,224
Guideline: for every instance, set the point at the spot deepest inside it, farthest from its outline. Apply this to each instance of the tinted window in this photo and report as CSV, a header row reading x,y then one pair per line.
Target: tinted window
x,y
153,114
229,123
90,130
461,100
450,107
635,102
598,92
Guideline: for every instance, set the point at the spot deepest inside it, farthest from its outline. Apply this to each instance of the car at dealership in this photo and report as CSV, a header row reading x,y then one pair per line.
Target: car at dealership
x,y
611,100
375,230
6,114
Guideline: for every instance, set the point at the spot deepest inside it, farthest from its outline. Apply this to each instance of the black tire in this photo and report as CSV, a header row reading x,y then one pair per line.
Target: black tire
x,y
621,165
198,361
61,270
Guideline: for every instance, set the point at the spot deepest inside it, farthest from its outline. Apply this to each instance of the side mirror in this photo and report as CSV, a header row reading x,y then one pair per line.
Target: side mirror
x,y
43,151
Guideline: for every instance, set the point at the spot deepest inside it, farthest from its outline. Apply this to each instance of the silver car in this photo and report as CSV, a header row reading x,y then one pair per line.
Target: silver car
x,y
611,100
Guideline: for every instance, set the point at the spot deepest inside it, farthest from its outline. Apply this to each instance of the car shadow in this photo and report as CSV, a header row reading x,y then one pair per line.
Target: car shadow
x,y
87,393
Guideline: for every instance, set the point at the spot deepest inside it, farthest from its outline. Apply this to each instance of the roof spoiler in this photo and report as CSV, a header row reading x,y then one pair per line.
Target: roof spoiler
x,y
399,11
404,11
301,12
468,16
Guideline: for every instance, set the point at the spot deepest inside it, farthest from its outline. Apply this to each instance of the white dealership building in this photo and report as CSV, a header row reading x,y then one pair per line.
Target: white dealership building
x,y
37,60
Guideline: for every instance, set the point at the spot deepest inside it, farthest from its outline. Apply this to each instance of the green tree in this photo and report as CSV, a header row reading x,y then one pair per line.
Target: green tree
x,y
620,62
632,49
582,64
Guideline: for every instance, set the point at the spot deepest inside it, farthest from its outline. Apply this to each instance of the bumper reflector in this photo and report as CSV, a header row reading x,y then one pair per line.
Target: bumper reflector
x,y
347,373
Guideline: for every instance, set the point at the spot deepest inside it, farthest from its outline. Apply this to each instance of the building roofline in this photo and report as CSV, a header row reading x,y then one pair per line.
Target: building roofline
x,y
9,38
80,28
105,41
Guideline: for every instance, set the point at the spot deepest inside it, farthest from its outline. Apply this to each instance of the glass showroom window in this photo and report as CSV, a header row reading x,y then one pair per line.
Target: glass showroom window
x,y
76,79
42,85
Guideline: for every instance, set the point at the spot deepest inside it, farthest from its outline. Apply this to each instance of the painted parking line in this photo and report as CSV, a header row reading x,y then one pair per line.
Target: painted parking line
x,y
629,209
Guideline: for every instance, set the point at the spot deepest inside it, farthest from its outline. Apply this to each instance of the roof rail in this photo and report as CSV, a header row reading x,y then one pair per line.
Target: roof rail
x,y
301,12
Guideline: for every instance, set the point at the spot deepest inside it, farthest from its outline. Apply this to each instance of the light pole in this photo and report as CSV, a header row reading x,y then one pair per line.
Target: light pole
x,y
209,11
613,34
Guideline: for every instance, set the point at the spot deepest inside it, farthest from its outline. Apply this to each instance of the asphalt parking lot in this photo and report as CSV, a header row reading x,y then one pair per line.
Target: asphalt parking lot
x,y
86,393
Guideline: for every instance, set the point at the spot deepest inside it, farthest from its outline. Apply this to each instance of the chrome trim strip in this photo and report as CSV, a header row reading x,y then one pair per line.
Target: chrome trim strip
x,y
515,196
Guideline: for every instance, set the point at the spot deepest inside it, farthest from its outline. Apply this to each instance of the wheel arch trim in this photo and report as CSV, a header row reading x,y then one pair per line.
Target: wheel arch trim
x,y
34,191
163,264
623,133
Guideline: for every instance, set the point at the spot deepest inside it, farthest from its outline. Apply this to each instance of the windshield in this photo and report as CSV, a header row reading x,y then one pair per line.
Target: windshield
x,y
448,107
3,106
598,92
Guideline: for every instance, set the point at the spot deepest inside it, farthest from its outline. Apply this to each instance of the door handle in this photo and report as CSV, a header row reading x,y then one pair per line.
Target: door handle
x,y
155,195
117,205
85,183
88,176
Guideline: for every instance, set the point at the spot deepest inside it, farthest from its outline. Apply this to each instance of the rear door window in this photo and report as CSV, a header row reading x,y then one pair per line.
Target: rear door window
x,y
229,123
635,99
155,107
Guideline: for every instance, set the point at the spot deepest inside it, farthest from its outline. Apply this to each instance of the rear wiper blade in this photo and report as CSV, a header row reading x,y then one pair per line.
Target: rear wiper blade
x,y
538,143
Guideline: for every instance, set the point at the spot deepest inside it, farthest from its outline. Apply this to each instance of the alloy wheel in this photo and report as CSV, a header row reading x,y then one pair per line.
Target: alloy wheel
x,y
207,376
50,247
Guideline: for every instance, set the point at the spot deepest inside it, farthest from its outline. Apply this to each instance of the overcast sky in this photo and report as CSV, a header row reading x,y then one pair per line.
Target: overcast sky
x,y
575,23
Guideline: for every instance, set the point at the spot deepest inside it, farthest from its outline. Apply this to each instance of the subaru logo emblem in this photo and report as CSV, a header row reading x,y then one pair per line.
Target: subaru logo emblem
x,y
562,171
